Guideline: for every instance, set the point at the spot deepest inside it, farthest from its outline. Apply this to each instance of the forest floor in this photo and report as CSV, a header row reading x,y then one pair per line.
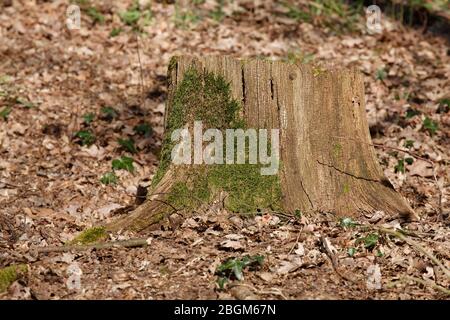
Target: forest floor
x,y
61,90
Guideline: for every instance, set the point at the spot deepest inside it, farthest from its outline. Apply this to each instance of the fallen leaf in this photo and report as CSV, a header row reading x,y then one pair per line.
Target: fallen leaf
x,y
421,168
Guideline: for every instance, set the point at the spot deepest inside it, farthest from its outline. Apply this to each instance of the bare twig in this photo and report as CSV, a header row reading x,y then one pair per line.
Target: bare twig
x,y
138,242
296,241
141,71
329,252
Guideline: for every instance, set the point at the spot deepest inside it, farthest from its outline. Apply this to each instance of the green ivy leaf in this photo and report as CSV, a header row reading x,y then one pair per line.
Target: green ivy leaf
x,y
370,241
236,266
221,281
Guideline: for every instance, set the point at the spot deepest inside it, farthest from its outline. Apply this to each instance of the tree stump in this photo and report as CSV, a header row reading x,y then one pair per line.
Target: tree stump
x,y
327,162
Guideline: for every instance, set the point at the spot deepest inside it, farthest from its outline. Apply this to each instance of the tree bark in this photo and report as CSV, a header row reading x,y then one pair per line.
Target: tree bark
x,y
327,161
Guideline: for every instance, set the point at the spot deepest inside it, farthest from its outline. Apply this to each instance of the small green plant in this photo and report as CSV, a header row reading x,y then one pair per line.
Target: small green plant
x,y
88,117
296,13
109,113
347,223
25,103
235,267
86,137
445,102
143,129
115,32
409,144
298,213
221,281
130,17
351,252
4,113
183,18
128,145
109,178
380,74
370,241
95,15
134,15
147,17
444,106
430,125
124,163
218,14
336,16
411,113
400,166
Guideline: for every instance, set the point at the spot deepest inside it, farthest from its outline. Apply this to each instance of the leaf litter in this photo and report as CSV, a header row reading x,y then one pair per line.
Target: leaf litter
x,y
69,108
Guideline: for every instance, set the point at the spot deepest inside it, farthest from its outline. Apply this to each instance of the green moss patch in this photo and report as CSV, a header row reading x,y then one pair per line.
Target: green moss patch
x,y
247,189
10,274
90,235
203,97
206,97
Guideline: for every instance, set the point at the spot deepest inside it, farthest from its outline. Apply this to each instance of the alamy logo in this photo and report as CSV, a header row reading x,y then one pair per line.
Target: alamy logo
x,y
73,17
373,22
235,149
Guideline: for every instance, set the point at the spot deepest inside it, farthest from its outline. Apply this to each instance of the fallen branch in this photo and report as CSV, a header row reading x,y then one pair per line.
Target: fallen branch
x,y
102,245
330,252
427,283
416,246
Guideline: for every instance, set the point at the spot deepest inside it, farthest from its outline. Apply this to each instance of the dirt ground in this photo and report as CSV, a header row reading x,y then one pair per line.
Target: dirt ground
x,y
51,78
